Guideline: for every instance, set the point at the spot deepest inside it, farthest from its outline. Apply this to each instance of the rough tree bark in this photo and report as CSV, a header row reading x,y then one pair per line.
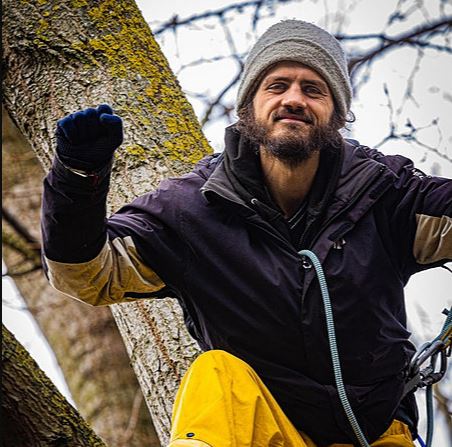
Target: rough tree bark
x,y
85,340
60,56
34,412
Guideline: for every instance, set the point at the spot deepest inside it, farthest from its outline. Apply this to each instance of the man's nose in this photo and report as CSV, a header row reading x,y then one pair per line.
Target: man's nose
x,y
294,98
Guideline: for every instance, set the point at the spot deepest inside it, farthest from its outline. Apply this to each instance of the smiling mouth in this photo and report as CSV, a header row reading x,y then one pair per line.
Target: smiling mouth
x,y
291,118
287,119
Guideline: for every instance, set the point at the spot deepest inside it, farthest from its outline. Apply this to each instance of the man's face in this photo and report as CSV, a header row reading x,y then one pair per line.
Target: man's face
x,y
292,99
291,115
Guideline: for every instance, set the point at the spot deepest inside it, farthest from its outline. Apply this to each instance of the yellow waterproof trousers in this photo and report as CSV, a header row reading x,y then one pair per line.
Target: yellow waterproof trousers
x,y
222,402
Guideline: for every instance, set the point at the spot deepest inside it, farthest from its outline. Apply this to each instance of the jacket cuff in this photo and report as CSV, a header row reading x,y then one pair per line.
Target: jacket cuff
x,y
81,177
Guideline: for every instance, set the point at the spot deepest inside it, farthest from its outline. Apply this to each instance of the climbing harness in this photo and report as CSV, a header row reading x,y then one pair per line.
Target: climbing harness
x,y
439,346
416,377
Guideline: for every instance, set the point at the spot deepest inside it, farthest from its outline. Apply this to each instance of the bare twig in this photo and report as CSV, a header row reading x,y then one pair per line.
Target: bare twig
x,y
20,229
174,22
387,42
233,81
210,61
408,95
218,99
133,419
20,240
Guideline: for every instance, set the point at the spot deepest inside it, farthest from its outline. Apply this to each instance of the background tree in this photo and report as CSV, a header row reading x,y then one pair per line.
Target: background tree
x,y
415,33
34,411
63,56
86,341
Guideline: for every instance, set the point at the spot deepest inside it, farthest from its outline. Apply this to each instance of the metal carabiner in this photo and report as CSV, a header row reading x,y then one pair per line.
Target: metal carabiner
x,y
429,376
431,350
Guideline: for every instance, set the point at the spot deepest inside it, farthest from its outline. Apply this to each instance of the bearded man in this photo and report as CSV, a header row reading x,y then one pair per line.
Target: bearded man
x,y
225,240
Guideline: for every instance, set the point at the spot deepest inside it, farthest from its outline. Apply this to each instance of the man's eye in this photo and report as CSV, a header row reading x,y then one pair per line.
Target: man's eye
x,y
277,86
311,90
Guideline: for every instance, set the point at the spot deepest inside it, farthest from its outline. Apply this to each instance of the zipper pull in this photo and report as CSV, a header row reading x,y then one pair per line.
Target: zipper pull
x,y
306,263
339,244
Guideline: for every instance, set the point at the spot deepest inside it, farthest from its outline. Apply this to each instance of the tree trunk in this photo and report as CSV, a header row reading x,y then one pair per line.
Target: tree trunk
x,y
91,353
66,55
34,412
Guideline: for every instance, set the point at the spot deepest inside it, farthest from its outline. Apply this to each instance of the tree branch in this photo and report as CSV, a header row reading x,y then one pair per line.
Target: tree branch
x,y
17,273
21,230
410,38
21,240
219,97
174,22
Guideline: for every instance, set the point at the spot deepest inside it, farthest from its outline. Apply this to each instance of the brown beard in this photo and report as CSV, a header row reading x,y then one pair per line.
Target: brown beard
x,y
292,148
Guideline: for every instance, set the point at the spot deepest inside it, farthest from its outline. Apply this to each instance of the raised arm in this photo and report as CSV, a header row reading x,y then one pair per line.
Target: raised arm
x,y
81,259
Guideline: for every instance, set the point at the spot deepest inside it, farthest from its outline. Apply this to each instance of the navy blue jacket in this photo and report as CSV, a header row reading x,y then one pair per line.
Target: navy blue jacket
x,y
245,289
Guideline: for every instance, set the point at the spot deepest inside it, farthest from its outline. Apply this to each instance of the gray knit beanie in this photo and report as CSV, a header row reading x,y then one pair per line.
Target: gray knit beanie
x,y
298,41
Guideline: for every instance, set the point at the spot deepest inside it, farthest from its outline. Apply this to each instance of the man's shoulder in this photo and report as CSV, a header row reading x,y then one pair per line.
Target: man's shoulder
x,y
181,188
205,167
395,163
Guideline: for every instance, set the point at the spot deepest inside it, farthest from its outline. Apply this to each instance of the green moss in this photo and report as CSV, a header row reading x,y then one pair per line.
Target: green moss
x,y
184,147
172,124
42,28
42,38
79,3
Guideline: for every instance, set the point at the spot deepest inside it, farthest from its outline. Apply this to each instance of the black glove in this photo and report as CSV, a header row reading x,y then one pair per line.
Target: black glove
x,y
86,140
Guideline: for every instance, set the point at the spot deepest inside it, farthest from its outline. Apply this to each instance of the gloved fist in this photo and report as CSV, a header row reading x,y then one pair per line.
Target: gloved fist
x,y
87,139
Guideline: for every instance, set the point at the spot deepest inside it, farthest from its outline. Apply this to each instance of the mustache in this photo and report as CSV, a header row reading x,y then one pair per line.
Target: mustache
x,y
295,114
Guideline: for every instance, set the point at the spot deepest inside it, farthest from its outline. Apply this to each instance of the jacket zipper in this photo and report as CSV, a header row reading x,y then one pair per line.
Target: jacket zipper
x,y
343,210
288,246
350,204
276,236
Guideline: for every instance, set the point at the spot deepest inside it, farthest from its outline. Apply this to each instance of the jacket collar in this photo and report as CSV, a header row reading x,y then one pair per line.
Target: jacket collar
x,y
357,170
359,176
222,184
238,177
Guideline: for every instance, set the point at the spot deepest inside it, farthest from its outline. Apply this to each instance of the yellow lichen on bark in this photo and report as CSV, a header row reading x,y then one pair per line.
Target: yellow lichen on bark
x,y
136,151
120,42
131,50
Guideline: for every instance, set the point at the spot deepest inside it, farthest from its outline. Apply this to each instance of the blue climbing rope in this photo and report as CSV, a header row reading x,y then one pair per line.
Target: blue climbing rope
x,y
429,403
443,341
421,441
333,348
445,337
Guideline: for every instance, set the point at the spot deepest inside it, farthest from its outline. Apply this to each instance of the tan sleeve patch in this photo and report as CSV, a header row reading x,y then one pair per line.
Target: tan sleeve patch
x,y
433,240
117,269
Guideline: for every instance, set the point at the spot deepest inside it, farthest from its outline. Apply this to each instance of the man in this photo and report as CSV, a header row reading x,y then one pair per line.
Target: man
x,y
225,241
